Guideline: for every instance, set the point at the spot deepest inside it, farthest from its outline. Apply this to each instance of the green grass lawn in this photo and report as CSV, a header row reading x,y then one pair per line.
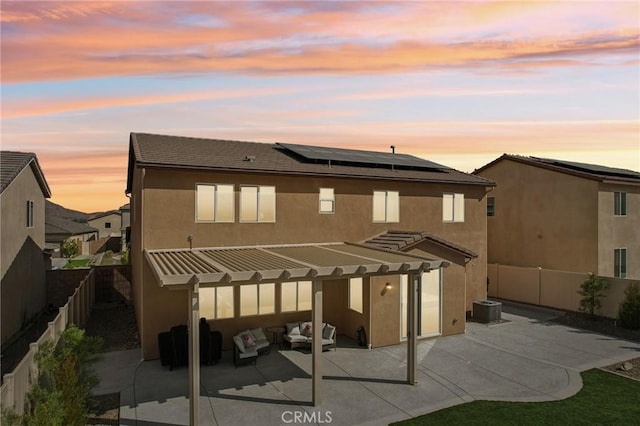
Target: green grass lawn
x,y
605,399
76,263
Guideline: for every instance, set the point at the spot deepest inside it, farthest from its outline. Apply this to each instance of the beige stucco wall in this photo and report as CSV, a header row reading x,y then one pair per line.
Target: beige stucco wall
x,y
166,212
618,231
21,257
100,224
543,218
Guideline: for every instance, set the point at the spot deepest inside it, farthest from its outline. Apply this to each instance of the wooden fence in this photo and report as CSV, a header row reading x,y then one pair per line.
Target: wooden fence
x,y
76,311
554,289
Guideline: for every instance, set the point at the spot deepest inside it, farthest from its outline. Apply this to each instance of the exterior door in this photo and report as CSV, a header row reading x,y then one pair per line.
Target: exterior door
x,y
429,304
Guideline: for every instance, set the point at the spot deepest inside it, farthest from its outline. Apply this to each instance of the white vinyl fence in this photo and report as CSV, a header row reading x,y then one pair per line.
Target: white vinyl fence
x,y
77,310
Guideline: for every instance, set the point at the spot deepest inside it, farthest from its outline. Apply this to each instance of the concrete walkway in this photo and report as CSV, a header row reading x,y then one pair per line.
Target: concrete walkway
x,y
524,359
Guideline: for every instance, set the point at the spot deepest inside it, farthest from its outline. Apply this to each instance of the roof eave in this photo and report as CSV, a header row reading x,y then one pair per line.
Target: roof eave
x,y
483,182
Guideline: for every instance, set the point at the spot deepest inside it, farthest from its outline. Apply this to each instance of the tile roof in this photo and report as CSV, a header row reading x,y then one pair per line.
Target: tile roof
x,y
57,225
403,240
177,152
584,170
12,163
104,214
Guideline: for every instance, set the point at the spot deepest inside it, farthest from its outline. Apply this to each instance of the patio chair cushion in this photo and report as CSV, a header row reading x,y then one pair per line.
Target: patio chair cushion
x,y
306,329
258,334
239,343
248,340
293,328
328,332
296,338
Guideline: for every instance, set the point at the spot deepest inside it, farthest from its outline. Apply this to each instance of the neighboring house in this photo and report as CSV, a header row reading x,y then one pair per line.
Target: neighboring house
x,y
108,223
59,229
22,204
206,210
564,215
125,228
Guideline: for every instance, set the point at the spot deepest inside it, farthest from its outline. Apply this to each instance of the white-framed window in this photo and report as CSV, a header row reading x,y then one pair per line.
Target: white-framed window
x,y
214,203
29,214
216,302
327,201
355,294
620,263
257,203
295,296
452,207
386,206
257,299
620,203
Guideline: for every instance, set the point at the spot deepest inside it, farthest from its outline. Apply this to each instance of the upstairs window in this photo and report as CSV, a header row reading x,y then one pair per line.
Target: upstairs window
x,y
29,214
107,225
295,296
386,206
453,207
327,201
216,302
491,206
620,203
257,204
214,203
620,263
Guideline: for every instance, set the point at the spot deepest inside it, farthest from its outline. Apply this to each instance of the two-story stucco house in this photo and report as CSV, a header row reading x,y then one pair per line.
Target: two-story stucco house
x,y
564,215
22,204
259,222
108,223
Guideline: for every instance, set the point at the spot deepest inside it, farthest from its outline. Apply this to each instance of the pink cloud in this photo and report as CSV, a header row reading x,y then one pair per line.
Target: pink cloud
x,y
31,108
77,41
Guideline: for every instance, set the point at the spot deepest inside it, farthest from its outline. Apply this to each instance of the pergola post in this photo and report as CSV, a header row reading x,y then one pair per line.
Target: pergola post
x,y
412,327
316,345
194,351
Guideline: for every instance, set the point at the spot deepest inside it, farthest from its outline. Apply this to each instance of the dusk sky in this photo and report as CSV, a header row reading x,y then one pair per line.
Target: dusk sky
x,y
458,83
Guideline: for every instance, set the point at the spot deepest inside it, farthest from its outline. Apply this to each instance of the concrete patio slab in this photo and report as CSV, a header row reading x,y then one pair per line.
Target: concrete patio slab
x,y
527,358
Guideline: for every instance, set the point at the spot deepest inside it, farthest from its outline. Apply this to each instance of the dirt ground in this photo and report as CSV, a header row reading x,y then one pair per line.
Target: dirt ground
x,y
116,324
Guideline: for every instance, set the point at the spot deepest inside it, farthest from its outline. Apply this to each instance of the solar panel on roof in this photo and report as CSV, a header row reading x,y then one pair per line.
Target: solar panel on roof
x,y
592,168
352,156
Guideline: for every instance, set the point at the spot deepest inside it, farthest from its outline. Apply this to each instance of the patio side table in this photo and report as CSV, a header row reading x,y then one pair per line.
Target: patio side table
x,y
276,335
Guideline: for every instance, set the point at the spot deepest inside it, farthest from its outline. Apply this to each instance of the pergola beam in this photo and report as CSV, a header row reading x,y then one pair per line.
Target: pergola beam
x,y
194,351
412,327
316,344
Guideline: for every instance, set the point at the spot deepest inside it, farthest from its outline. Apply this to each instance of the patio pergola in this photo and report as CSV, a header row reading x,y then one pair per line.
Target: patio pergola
x,y
191,269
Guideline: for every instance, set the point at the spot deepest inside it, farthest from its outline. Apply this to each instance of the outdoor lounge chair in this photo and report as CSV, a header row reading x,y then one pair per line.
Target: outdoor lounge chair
x,y
248,345
299,335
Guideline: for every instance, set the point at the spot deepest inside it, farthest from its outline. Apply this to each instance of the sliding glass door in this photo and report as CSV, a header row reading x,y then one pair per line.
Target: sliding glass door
x,y
429,304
